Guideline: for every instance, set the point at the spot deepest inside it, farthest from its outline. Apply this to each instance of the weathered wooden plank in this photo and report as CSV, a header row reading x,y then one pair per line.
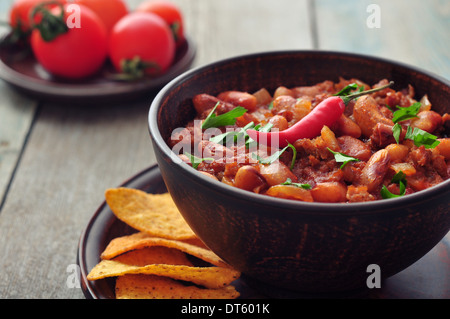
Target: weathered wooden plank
x,y
227,28
411,31
73,155
16,116
234,27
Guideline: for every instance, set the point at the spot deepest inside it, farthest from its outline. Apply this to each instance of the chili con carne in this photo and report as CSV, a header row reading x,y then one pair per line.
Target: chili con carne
x,y
386,144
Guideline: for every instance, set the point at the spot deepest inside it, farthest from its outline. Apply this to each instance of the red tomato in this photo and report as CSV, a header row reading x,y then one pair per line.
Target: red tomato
x,y
77,53
109,11
145,36
20,12
169,12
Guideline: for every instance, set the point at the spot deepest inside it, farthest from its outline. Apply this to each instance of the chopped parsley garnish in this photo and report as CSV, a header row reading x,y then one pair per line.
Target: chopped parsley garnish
x,y
419,136
294,155
236,136
399,179
195,161
228,118
250,143
232,136
342,158
272,158
396,132
406,113
289,182
347,90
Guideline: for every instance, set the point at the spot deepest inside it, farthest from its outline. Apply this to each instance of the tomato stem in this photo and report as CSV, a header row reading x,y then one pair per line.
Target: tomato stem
x,y
16,35
350,97
50,25
136,68
175,28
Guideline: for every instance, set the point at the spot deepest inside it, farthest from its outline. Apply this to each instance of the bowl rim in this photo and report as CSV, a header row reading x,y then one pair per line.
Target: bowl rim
x,y
355,208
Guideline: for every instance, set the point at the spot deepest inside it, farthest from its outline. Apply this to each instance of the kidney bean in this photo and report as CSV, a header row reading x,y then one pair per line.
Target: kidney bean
x,y
329,192
290,192
372,175
247,177
239,98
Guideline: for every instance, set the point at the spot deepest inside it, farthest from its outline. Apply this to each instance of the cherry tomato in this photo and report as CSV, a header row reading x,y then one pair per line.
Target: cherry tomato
x,y
79,51
170,13
109,11
19,14
145,37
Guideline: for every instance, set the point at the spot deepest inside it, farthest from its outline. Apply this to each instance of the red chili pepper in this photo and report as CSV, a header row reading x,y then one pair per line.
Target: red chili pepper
x,y
325,113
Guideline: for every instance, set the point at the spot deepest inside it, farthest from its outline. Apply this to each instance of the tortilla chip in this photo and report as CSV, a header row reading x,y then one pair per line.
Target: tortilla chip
x,y
154,214
209,277
143,257
155,287
195,241
154,255
139,240
154,263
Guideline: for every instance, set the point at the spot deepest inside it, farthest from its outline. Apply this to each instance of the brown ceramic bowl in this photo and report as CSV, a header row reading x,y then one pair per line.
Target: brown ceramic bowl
x,y
306,247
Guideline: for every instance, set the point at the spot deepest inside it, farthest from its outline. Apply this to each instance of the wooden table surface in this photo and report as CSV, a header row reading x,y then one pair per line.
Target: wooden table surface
x,y
56,160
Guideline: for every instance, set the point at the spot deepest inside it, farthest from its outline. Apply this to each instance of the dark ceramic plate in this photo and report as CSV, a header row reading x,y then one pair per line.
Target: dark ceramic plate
x,y
20,69
427,278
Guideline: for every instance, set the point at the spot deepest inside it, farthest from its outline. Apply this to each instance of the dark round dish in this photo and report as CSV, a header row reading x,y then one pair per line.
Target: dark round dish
x,y
20,69
308,247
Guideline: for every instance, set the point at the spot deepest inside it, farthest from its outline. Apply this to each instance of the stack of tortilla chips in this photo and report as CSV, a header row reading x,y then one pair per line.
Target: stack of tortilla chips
x,y
156,262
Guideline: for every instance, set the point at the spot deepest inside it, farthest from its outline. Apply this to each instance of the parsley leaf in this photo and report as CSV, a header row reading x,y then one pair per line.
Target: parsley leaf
x,y
294,155
342,158
406,113
385,193
421,137
398,178
250,143
195,161
396,132
389,108
232,136
272,158
265,128
225,138
235,136
348,89
228,118
289,182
